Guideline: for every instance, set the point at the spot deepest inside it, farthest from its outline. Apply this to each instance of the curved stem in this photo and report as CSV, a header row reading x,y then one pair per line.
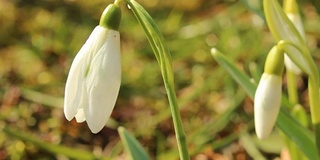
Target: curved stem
x,y
163,57
283,44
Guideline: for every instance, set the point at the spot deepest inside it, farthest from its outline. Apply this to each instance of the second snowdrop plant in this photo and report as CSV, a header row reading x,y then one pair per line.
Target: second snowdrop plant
x,y
290,40
94,79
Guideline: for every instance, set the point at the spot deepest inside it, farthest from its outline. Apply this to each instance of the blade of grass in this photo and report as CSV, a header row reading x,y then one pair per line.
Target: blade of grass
x,y
235,73
209,131
42,98
53,148
297,133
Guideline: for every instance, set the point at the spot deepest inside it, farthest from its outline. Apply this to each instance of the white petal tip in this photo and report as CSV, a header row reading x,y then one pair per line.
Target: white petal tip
x,y
267,104
95,129
264,127
263,134
68,117
80,117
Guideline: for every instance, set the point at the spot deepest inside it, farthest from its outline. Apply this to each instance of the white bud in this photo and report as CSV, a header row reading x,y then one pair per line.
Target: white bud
x,y
267,101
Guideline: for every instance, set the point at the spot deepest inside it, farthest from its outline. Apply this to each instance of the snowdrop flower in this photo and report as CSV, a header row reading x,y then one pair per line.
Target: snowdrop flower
x,y
292,11
94,79
284,30
267,98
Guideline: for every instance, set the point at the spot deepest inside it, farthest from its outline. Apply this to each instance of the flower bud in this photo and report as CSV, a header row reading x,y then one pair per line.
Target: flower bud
x,y
267,98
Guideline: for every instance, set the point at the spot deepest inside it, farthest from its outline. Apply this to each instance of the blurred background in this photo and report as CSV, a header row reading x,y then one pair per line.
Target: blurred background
x,y
39,39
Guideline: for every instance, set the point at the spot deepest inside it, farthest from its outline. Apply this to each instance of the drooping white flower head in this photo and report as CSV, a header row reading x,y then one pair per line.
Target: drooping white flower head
x,y
284,30
267,104
267,98
94,79
291,10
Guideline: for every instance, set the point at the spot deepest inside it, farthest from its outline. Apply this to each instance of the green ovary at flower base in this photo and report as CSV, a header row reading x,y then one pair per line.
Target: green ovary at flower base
x,y
267,98
94,79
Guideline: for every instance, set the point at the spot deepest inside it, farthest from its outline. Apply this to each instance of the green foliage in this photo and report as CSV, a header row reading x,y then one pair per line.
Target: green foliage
x,y
39,40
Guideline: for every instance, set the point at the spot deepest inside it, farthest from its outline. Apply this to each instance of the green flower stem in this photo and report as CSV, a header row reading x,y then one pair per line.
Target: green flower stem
x,y
292,87
117,2
295,152
163,57
314,98
313,88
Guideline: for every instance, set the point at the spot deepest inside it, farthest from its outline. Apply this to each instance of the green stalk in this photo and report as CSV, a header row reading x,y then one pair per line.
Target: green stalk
x,y
297,111
163,57
314,98
313,87
292,87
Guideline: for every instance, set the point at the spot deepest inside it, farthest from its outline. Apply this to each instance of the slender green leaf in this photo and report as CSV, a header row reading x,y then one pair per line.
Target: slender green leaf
x,y
235,73
53,148
42,98
132,146
247,141
295,132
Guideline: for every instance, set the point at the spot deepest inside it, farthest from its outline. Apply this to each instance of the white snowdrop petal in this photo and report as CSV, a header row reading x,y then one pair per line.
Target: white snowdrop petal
x,y
80,116
99,36
290,65
267,104
297,22
71,92
74,86
103,83
75,80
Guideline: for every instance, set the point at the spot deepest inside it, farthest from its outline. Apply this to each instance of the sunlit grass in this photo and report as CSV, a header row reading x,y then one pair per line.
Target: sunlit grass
x,y
38,41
